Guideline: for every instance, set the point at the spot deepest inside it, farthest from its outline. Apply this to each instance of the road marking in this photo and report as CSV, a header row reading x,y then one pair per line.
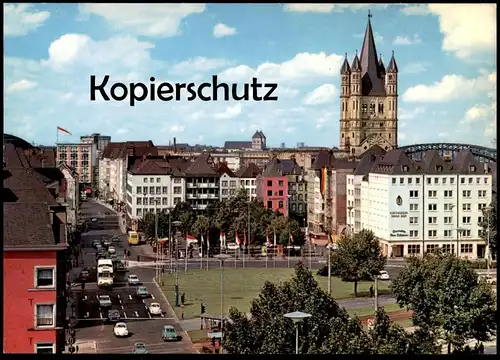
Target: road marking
x,y
136,314
143,301
130,297
118,296
124,314
85,298
100,314
152,296
123,307
97,297
162,315
149,314
120,301
87,314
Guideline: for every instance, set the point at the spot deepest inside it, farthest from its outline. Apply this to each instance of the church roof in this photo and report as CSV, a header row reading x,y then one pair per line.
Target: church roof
x,y
372,82
345,69
392,67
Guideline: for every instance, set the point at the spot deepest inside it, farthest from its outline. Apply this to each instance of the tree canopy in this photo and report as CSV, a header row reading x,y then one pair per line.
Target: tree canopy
x,y
446,298
230,216
358,257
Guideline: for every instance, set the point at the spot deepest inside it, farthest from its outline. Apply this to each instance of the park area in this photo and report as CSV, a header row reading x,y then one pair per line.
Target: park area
x,y
241,286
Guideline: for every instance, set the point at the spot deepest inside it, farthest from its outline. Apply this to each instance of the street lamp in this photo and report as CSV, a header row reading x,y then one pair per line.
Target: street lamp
x,y
175,224
349,209
222,258
157,267
297,317
451,207
488,214
459,233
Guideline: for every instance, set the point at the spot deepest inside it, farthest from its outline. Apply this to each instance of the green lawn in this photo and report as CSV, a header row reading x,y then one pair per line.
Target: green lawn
x,y
241,286
370,310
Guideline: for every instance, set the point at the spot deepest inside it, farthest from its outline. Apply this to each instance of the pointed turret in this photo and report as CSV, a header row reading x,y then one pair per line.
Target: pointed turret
x,y
372,81
392,67
356,64
345,69
381,66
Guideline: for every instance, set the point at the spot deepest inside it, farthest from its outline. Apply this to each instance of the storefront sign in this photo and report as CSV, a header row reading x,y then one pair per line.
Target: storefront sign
x,y
399,233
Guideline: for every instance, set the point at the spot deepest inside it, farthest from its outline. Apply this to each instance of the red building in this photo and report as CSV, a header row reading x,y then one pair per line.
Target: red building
x,y
35,252
272,185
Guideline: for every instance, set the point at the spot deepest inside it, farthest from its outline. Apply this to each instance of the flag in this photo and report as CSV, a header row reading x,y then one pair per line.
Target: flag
x,y
237,239
221,239
268,241
208,243
290,239
224,239
202,240
63,130
244,239
274,239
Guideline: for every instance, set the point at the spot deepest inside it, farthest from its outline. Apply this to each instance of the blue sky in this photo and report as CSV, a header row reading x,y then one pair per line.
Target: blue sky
x,y
446,56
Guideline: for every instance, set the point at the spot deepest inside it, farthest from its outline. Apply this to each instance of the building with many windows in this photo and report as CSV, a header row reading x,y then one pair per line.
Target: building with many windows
x,y
80,157
202,183
416,206
247,177
228,181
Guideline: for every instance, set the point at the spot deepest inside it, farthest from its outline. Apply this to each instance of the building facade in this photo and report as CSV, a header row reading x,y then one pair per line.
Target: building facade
x,y
228,182
416,206
202,183
247,177
101,142
297,191
368,100
80,157
72,195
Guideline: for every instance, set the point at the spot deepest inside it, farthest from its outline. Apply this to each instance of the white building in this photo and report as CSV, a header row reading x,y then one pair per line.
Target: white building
x,y
228,182
247,177
154,184
72,195
415,206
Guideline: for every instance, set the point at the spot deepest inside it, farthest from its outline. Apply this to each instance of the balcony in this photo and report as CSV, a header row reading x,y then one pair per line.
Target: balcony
x,y
191,185
191,196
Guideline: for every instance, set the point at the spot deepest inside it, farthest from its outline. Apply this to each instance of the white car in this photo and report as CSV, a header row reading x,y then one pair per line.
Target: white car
x,y
133,280
384,275
120,330
104,301
111,250
154,309
94,219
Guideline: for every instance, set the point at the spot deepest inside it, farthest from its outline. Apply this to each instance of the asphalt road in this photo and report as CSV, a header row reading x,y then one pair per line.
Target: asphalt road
x,y
142,326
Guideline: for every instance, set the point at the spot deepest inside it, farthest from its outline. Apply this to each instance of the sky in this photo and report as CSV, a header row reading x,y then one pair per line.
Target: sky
x,y
446,56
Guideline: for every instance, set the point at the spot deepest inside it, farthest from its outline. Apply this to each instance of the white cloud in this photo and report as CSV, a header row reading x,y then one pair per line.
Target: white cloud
x,y
415,68
405,40
176,129
159,20
444,134
328,8
19,20
379,39
468,29
321,95
21,85
122,131
221,30
230,112
477,112
451,87
303,66
199,64
405,114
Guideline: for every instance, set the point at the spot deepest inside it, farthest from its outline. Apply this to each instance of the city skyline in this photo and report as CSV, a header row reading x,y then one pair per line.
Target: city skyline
x,y
445,53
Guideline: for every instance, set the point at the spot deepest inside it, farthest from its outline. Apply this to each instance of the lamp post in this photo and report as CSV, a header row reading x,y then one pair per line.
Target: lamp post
x,y
297,317
157,267
459,234
349,226
452,206
488,214
222,258
175,224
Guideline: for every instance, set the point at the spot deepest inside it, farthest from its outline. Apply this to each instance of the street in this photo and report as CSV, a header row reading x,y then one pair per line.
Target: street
x,y
92,326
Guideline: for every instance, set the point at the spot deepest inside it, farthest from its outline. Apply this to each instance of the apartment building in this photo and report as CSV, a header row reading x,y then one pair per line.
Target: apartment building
x,y
228,181
113,167
154,184
416,206
202,183
80,157
247,177
297,192
101,142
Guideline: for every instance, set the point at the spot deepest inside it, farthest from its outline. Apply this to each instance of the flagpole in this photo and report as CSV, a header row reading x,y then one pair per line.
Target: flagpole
x,y
244,246
208,248
201,261
288,252
274,250
186,257
57,136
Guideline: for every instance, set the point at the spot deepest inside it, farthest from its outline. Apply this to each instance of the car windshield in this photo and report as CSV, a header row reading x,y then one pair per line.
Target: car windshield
x,y
122,326
114,312
155,305
104,297
140,346
133,277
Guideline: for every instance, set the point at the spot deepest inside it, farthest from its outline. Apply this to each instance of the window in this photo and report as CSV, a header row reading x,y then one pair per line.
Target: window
x,y
269,183
447,233
232,183
409,180
372,108
432,193
177,181
280,204
45,277
138,212
432,207
393,180
269,193
138,190
145,180
436,180
145,190
45,314
413,233
448,207
301,197
465,219
139,201
164,200
164,190
158,180
300,207
481,193
280,193
462,180
470,180
151,190
151,201
413,207
144,201
448,193
413,220
401,180
432,220
269,204
466,233
449,248
481,207
486,181
177,190
431,247
381,108
429,181
151,180
447,219
301,187
177,200
364,108
45,348
466,207
444,180
294,207
413,249
480,219
280,183
224,183
247,182
466,193
432,233
158,190
465,248
417,181
414,193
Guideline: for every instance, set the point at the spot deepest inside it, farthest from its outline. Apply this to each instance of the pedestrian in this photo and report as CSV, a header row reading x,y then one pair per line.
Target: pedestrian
x,y
371,291
481,348
77,349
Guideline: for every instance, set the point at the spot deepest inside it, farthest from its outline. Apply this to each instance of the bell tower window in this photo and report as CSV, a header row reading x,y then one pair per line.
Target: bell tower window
x,y
381,108
372,108
364,108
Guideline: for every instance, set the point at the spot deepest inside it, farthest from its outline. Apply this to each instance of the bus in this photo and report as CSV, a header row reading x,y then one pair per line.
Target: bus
x,y
104,272
133,238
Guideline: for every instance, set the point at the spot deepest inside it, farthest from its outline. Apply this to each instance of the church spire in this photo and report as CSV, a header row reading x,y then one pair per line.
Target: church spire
x,y
370,63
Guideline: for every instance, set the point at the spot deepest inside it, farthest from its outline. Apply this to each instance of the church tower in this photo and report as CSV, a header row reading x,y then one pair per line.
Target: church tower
x,y
368,100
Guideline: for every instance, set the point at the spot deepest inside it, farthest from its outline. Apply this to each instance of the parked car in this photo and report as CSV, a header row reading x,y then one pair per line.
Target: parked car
x,y
107,242
133,280
114,258
96,243
111,249
115,239
384,275
142,292
104,301
169,334
107,213
120,330
98,247
94,219
84,275
114,315
139,348
120,267
155,309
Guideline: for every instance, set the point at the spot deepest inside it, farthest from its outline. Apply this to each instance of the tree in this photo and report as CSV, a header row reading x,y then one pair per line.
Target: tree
x,y
490,218
358,257
267,331
387,337
446,298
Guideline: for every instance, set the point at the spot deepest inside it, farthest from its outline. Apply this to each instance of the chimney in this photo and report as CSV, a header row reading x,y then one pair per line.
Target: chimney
x,y
175,145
